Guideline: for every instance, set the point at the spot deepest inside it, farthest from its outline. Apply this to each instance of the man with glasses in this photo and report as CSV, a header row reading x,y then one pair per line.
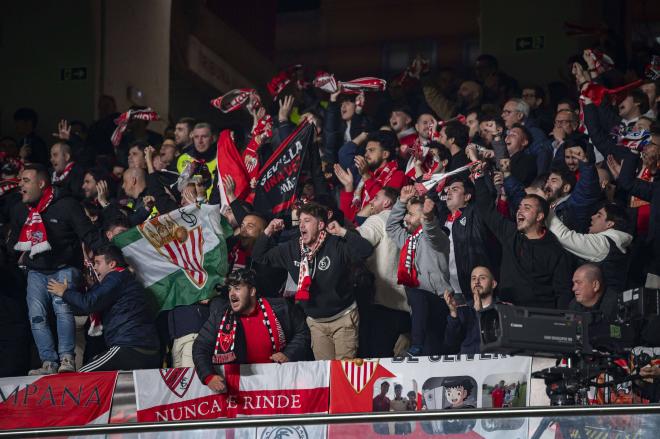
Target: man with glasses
x,y
516,111
566,123
246,328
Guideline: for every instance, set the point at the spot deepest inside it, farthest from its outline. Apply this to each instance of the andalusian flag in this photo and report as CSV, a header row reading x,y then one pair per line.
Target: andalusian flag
x,y
180,256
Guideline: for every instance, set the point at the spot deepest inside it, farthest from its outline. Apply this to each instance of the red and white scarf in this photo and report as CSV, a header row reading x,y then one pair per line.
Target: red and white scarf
x,y
306,256
238,257
33,234
8,185
236,99
407,272
225,345
56,178
327,82
370,188
123,119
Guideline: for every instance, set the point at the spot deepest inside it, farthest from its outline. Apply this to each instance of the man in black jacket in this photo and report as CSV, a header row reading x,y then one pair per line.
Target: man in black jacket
x,y
248,329
67,174
321,260
47,228
535,269
128,327
467,233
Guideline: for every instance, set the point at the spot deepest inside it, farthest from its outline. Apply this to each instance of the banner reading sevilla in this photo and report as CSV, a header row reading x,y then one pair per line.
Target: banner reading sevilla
x,y
60,400
278,178
257,389
430,383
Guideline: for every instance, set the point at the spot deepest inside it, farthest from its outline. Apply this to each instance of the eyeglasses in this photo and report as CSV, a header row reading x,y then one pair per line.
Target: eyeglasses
x,y
507,112
563,122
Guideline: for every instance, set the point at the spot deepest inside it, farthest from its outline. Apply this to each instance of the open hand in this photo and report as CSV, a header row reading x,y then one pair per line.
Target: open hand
x,y
63,130
345,177
57,288
407,192
286,106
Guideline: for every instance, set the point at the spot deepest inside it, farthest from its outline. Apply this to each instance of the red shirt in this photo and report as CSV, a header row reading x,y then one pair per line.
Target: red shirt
x,y
257,340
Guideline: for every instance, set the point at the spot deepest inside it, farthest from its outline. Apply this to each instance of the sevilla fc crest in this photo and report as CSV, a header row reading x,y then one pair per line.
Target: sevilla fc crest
x,y
225,341
178,380
359,372
179,245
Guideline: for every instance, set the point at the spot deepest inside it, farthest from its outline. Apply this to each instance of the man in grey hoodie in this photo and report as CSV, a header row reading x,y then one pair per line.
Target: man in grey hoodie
x,y
422,269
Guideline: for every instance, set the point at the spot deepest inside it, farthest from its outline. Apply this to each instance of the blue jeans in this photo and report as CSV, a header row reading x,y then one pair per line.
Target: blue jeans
x,y
40,302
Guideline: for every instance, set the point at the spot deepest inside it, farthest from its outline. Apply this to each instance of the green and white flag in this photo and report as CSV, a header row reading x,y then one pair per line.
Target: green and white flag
x,y
180,256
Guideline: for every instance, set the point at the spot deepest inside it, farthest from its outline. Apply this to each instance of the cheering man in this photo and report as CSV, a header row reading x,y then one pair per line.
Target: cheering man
x,y
248,329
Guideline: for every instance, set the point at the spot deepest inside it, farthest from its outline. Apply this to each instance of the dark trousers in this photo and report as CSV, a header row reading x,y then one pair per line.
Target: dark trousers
x,y
122,358
384,328
429,318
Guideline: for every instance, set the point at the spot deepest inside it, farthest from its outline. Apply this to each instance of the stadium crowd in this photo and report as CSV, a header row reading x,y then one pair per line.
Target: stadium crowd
x,y
417,207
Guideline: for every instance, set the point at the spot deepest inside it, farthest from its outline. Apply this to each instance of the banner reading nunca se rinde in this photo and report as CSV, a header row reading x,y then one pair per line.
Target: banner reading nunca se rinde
x,y
178,256
257,389
430,383
65,399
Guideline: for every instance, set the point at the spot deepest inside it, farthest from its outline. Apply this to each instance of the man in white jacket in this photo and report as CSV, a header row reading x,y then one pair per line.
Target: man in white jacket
x,y
606,244
389,316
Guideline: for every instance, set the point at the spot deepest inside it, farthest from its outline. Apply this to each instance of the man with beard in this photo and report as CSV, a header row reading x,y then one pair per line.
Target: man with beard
x,y
462,333
455,137
200,158
268,279
378,169
47,228
423,267
574,201
535,270
426,129
182,131
248,329
322,260
66,173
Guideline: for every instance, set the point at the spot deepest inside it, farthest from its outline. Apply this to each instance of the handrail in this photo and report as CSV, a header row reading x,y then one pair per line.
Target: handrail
x,y
270,421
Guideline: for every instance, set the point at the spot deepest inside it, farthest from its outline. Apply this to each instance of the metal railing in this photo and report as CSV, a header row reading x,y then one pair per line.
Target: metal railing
x,y
326,419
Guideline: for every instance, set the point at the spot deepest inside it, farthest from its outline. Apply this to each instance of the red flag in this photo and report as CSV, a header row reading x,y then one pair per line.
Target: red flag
x,y
231,163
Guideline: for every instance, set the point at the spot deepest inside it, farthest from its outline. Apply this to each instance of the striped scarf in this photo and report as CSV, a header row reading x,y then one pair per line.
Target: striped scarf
x,y
307,254
33,236
8,185
56,178
225,345
407,272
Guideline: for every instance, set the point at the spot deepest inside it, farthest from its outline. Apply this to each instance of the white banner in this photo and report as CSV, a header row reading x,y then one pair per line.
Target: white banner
x,y
258,389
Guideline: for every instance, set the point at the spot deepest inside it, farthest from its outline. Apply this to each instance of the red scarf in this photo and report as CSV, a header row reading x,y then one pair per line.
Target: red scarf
x,y
33,234
123,119
225,345
56,178
376,182
8,185
407,272
306,256
238,257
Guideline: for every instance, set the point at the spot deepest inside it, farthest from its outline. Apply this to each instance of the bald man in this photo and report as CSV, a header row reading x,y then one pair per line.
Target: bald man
x,y
134,184
462,333
66,175
590,293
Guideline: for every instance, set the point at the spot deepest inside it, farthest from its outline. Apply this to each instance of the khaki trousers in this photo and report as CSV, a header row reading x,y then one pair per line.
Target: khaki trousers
x,y
335,340
182,351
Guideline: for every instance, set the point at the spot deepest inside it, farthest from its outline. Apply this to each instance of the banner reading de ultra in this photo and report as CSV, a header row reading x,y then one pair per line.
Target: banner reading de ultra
x,y
257,389
65,399
447,382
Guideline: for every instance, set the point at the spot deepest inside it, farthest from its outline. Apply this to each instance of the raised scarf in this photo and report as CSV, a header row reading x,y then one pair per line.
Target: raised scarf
x,y
33,234
407,272
307,254
371,186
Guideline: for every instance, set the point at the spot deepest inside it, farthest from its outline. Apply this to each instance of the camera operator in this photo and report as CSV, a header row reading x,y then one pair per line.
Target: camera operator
x,y
590,293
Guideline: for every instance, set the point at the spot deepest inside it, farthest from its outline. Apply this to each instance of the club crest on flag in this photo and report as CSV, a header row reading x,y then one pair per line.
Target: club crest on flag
x,y
181,246
359,372
178,380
